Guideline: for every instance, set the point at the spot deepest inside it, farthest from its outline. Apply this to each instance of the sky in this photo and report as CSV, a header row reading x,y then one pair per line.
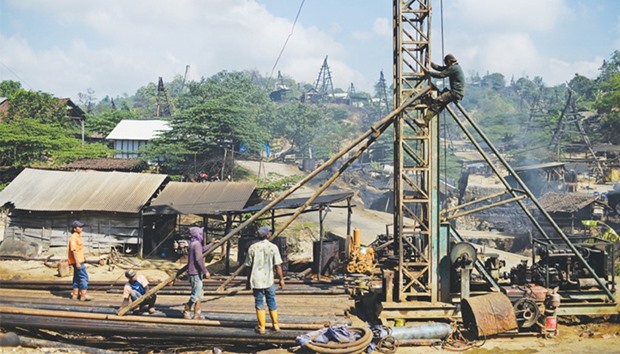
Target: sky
x,y
114,47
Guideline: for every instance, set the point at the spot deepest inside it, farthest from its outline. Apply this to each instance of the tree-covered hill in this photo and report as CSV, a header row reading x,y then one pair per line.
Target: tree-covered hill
x,y
233,114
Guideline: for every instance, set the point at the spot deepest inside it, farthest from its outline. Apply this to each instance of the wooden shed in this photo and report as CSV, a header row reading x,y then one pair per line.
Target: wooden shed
x,y
42,204
569,209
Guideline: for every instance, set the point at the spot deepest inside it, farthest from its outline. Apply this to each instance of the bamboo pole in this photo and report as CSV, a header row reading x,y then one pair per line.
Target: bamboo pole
x,y
383,123
373,134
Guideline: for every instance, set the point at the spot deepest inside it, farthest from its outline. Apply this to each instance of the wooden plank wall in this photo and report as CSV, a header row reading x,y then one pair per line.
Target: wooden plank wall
x,y
103,230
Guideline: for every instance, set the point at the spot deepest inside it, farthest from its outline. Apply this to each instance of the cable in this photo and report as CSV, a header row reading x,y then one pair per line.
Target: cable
x,y
445,119
17,76
286,42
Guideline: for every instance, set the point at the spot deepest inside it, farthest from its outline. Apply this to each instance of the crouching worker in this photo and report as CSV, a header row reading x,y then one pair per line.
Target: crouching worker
x,y
137,285
263,257
452,70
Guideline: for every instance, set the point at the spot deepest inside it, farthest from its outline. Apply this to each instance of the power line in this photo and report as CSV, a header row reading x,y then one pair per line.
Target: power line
x,y
286,41
17,76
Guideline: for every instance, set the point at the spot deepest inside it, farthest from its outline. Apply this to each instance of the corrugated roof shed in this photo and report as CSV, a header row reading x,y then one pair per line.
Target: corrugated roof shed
x,y
565,203
539,166
41,190
213,198
106,164
600,147
294,203
129,129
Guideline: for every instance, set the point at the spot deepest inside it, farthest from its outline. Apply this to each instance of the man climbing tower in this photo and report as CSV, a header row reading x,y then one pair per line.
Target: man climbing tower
x,y
452,70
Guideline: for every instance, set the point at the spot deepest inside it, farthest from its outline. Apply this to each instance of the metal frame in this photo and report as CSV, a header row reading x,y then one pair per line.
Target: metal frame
x,y
415,163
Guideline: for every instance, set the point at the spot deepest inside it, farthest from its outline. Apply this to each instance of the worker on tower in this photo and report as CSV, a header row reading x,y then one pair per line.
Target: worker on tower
x,y
452,70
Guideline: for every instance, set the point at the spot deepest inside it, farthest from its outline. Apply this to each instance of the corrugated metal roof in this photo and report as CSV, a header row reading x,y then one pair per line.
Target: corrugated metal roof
x,y
539,166
565,203
295,203
212,198
43,190
106,164
129,129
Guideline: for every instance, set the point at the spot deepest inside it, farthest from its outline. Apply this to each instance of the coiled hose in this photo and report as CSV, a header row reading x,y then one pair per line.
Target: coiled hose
x,y
344,348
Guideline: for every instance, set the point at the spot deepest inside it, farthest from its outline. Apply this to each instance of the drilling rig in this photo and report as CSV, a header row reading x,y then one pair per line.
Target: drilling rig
x,y
419,260
418,265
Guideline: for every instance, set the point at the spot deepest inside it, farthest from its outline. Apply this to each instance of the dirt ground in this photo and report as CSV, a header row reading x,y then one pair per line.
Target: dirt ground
x,y
596,336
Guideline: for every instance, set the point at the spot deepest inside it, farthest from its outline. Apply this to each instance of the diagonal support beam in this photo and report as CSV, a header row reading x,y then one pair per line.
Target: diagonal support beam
x,y
373,132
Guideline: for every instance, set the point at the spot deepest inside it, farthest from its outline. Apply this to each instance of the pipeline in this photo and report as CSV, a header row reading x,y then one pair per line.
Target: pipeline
x,y
38,343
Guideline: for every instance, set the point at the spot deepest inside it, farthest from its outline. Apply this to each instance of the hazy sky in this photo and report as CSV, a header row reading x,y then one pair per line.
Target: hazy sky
x,y
113,47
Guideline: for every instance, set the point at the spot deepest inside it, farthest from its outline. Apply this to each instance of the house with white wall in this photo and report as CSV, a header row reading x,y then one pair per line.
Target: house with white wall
x,y
130,135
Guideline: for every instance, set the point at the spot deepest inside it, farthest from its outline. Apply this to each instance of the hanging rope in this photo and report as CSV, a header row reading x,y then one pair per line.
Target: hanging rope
x,y
443,116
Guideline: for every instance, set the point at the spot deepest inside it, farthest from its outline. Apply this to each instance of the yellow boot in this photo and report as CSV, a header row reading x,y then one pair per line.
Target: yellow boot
x,y
84,296
261,316
274,320
74,294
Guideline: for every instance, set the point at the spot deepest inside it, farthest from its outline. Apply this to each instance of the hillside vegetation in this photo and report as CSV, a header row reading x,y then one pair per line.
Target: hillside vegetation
x,y
231,115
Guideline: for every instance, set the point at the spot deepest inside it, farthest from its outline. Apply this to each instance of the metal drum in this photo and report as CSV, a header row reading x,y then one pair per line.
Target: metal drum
x,y
488,314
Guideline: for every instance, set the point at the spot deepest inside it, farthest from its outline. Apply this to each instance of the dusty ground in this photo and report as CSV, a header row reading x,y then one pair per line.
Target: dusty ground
x,y
602,337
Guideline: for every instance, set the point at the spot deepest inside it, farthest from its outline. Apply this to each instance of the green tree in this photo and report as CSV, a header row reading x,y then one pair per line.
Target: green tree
x,y
8,88
105,122
609,106
610,67
40,106
28,142
584,88
495,81
297,122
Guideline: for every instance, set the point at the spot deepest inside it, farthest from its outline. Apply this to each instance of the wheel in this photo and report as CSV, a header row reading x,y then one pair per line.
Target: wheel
x,y
527,312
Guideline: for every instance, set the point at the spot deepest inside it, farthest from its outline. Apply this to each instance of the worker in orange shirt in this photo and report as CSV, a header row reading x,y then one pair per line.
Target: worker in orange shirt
x,y
78,261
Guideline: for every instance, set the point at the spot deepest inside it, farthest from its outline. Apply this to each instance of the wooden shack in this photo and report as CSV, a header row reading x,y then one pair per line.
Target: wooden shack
x,y
42,204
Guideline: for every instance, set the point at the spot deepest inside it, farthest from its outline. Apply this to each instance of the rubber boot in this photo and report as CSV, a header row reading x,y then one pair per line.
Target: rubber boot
x,y
74,294
274,320
429,114
261,316
84,296
197,313
186,311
